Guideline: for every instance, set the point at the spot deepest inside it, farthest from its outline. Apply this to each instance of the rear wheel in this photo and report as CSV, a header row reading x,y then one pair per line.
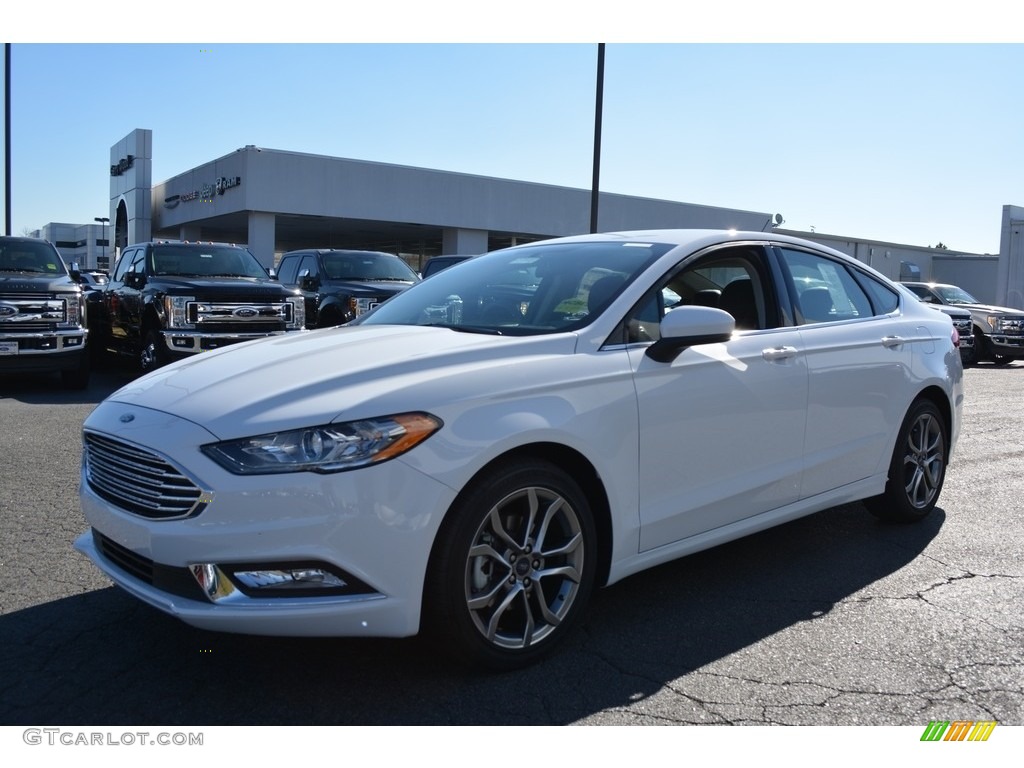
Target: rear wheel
x,y
514,567
917,469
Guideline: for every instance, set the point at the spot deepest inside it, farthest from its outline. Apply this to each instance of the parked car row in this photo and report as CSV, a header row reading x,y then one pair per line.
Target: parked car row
x,y
474,456
172,299
998,331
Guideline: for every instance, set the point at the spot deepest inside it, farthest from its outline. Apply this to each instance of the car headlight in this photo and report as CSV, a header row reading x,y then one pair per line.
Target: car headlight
x,y
327,448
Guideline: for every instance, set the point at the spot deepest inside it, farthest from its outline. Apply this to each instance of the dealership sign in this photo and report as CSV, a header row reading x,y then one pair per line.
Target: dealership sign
x,y
122,165
205,193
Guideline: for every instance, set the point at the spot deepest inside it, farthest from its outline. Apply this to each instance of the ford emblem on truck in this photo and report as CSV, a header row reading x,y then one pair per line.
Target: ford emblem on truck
x,y
245,312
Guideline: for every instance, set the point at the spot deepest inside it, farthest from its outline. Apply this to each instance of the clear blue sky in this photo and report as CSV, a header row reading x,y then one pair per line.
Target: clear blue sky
x,y
909,143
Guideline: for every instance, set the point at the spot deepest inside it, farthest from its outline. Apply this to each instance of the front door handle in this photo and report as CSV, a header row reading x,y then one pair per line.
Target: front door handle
x,y
778,353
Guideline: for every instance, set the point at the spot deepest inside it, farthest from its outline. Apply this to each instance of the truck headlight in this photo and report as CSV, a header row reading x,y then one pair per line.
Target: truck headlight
x,y
298,320
72,311
327,448
176,309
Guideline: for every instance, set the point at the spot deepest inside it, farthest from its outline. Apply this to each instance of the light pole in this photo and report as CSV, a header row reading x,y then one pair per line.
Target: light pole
x,y
598,116
104,221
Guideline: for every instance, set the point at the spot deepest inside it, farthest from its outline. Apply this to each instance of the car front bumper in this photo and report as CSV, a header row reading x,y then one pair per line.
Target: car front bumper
x,y
42,351
373,526
1006,345
185,343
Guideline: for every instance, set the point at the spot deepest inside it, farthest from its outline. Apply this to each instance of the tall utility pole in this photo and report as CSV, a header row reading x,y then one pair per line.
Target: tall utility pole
x,y
597,137
7,138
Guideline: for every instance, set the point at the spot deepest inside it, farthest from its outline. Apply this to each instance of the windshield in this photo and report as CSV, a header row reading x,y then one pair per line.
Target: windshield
x,y
951,294
205,261
522,291
367,266
32,257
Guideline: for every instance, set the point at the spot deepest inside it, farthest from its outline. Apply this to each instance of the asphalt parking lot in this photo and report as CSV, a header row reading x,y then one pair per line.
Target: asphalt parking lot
x,y
835,619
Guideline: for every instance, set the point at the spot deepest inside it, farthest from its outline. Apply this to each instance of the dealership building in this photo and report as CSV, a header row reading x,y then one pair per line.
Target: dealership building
x,y
276,201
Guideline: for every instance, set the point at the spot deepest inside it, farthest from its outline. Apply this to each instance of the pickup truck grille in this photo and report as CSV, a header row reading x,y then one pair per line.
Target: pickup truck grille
x,y
30,312
962,325
240,316
138,481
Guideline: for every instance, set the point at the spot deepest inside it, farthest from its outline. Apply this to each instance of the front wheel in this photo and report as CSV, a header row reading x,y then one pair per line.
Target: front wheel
x,y
152,354
917,469
514,566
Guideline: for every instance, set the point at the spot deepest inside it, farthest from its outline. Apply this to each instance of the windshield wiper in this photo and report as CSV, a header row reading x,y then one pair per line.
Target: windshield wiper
x,y
465,328
475,329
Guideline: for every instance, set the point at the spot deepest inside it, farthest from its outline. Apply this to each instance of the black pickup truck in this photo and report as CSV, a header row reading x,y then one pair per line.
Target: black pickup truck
x,y
170,299
42,323
341,285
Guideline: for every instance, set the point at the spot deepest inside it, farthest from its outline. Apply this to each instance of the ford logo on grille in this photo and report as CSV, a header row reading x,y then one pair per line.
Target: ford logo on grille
x,y
6,310
245,312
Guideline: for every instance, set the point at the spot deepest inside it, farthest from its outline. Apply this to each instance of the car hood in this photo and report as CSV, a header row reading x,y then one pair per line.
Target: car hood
x,y
29,281
226,286
990,309
309,378
365,287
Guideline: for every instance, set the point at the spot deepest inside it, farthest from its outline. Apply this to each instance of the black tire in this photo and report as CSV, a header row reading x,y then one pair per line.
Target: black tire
x,y
917,469
513,567
152,354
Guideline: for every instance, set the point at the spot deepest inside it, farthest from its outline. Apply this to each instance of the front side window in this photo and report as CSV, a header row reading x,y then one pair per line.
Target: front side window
x,y
734,280
123,263
288,269
308,267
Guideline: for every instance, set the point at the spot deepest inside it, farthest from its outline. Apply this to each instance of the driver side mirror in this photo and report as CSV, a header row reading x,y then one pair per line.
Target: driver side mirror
x,y
687,327
307,281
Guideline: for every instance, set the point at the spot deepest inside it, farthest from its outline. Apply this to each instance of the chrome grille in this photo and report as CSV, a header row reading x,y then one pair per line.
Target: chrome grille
x,y
201,312
137,480
29,312
962,325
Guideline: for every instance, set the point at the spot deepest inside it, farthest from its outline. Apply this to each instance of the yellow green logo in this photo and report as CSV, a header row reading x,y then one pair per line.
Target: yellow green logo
x,y
958,730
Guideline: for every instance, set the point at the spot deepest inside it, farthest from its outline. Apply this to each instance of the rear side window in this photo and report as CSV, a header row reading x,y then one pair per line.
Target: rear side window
x,y
824,290
883,298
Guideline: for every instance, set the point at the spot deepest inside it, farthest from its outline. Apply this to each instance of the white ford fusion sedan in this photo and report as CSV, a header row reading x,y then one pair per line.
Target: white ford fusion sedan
x,y
478,453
